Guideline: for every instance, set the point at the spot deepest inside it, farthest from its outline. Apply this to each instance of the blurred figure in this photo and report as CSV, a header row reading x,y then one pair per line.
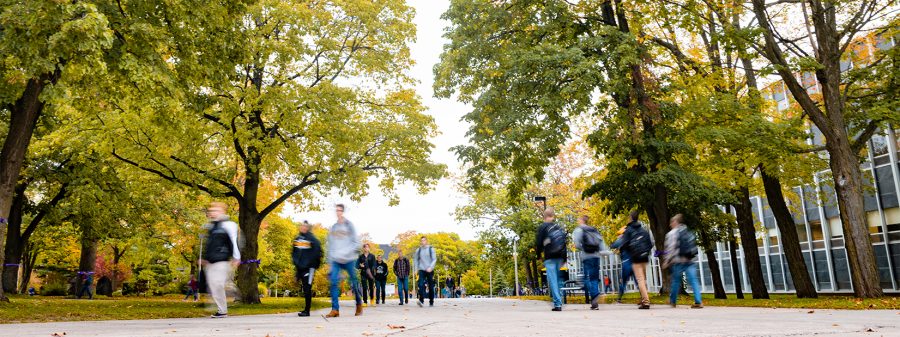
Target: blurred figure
x,y
638,243
193,288
607,284
87,279
365,264
681,249
381,273
425,260
307,257
343,245
401,270
220,256
550,242
627,271
589,241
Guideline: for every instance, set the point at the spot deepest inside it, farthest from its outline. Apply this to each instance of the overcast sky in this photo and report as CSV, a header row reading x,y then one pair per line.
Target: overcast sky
x,y
423,213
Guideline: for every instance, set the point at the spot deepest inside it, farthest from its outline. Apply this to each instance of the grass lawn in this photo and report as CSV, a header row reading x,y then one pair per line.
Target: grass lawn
x,y
775,301
23,309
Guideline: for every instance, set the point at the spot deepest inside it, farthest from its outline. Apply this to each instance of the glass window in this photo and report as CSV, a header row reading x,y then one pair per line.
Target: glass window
x,y
879,145
778,92
801,232
809,79
815,227
886,188
882,42
846,64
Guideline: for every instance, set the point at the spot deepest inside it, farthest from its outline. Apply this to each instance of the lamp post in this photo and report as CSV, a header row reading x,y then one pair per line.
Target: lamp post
x,y
516,263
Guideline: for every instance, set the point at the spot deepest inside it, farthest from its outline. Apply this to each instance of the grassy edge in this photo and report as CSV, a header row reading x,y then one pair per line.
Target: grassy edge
x,y
775,301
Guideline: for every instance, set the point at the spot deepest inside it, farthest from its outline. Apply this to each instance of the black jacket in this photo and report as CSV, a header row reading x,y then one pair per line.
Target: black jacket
x,y
539,242
366,265
380,271
633,228
307,252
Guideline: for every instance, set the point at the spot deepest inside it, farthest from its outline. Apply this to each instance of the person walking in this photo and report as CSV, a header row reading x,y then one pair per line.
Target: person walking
x,y
425,260
607,284
381,274
551,242
193,289
627,270
221,255
366,263
87,279
401,270
307,257
681,249
451,286
589,241
638,243
343,245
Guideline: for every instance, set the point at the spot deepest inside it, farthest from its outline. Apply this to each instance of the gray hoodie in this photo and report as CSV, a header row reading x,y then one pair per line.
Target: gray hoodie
x,y
343,243
425,258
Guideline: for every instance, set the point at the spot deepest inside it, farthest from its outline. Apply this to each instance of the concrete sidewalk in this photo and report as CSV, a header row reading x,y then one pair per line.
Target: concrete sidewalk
x,y
500,317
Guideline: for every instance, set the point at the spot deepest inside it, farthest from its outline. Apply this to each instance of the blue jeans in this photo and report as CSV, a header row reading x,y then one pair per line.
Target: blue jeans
x,y
426,278
690,269
335,277
403,289
627,274
554,280
591,267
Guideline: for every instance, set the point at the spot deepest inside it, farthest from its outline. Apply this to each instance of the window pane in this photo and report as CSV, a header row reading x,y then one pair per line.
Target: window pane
x,y
816,228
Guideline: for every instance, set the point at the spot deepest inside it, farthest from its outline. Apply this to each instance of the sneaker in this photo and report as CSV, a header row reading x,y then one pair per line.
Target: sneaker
x,y
430,304
333,313
644,306
595,307
365,305
303,314
672,304
697,306
219,315
556,309
595,301
420,303
401,303
619,301
374,305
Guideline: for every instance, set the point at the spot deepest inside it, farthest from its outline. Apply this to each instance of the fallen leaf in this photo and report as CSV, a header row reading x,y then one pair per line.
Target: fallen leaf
x,y
391,326
811,312
367,333
319,327
869,330
835,324
56,334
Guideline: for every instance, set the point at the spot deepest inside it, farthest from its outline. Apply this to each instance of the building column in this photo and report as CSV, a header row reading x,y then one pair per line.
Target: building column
x,y
826,232
884,231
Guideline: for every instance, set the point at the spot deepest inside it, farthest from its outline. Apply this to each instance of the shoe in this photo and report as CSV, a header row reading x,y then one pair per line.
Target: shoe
x,y
333,313
420,303
619,301
401,303
673,304
595,307
303,314
644,306
358,310
365,305
430,304
556,309
595,301
697,306
219,315
374,305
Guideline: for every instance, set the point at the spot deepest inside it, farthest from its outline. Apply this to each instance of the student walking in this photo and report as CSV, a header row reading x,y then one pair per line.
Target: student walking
x,y
87,279
193,289
366,263
343,245
627,270
401,270
451,286
638,243
221,255
589,241
607,284
381,273
307,257
425,260
681,249
551,242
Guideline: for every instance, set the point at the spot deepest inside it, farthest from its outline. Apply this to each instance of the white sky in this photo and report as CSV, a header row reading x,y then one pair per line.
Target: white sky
x,y
423,213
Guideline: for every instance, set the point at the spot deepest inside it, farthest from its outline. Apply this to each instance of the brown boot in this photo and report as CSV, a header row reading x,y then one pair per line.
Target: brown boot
x,y
358,310
333,313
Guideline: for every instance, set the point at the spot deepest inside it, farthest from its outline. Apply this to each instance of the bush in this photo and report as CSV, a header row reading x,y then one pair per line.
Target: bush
x,y
263,291
55,284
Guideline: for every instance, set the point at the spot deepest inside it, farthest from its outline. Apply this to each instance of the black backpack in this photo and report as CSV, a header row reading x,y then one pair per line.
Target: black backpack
x,y
591,241
219,247
555,244
687,244
639,245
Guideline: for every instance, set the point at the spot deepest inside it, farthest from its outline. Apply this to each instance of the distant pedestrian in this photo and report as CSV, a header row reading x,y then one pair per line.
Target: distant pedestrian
x,y
425,260
381,274
366,264
451,286
681,249
87,279
31,291
401,270
607,284
627,270
220,255
638,243
551,242
589,241
307,257
193,289
343,245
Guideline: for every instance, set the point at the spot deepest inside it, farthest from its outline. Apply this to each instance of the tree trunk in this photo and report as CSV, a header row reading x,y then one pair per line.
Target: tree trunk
x,y
249,221
23,117
747,229
88,258
718,287
790,243
12,257
658,213
735,265
529,280
29,258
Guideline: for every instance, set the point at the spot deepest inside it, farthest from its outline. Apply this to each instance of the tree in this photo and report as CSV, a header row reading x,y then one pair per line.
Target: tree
x,y
831,28
309,96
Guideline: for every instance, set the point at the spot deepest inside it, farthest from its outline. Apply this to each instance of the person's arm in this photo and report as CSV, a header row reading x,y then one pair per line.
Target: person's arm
x,y
433,259
317,249
370,265
232,230
576,236
671,248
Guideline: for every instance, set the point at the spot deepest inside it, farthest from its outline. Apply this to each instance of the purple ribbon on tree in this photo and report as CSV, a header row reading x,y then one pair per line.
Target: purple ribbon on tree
x,y
250,261
2,220
11,264
85,273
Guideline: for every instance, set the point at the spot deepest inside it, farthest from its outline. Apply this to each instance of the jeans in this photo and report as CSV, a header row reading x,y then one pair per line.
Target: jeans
x,y
426,277
190,292
368,287
379,291
640,277
591,267
403,289
554,280
627,273
306,279
689,269
335,277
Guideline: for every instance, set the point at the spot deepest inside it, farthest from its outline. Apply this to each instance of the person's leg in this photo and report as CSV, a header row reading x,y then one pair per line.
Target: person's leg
x,y
592,276
691,270
421,286
354,283
676,269
363,282
335,278
640,275
431,285
627,274
307,288
216,276
383,290
552,266
372,291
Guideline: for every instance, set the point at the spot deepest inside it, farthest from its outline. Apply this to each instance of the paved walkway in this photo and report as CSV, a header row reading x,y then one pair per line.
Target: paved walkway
x,y
500,317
